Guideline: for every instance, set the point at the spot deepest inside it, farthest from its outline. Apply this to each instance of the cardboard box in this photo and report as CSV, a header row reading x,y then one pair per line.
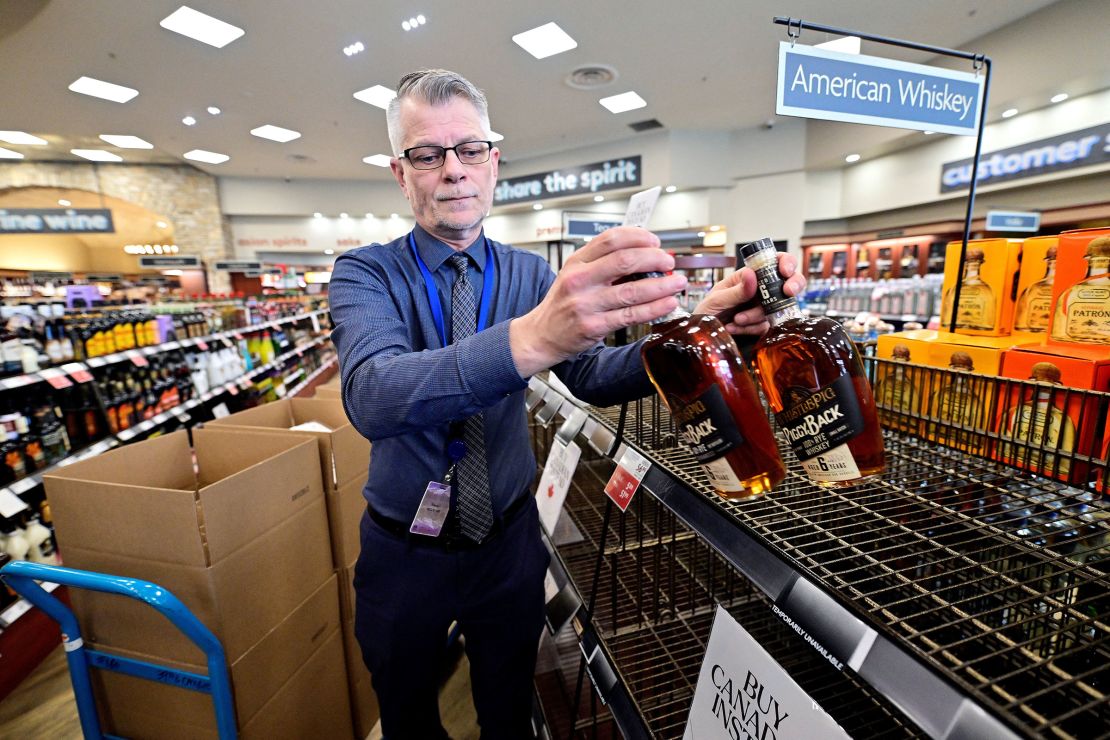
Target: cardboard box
x,y
987,293
242,542
1034,290
364,702
328,393
1081,291
344,460
1049,416
256,677
898,387
313,703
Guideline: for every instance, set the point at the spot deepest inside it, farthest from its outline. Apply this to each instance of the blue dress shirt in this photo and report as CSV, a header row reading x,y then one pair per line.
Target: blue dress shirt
x,y
402,388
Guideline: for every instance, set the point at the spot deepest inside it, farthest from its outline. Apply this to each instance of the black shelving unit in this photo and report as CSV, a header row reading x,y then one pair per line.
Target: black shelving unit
x,y
923,599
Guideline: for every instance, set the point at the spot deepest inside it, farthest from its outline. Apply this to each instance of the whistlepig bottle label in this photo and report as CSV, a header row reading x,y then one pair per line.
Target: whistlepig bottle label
x,y
705,425
818,425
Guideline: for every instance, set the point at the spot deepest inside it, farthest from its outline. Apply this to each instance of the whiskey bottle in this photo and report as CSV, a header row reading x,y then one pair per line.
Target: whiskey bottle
x,y
895,394
695,365
1035,303
1039,423
976,309
956,403
1083,312
813,378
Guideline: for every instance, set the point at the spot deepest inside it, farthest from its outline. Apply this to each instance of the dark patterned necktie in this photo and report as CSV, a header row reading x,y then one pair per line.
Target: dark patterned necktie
x,y
471,475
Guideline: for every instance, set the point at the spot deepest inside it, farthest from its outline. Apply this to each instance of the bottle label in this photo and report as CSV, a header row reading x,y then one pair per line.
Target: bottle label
x,y
819,422
705,425
721,476
835,465
770,285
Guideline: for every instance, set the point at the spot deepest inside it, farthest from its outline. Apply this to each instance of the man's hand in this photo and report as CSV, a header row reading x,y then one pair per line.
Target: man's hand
x,y
731,300
583,305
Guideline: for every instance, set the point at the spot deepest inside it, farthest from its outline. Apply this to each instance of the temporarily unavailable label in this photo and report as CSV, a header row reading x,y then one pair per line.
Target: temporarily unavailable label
x,y
705,424
558,471
815,422
626,479
743,694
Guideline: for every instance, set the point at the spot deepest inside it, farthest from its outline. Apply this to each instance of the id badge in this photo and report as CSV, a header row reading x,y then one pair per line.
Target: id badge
x,y
432,512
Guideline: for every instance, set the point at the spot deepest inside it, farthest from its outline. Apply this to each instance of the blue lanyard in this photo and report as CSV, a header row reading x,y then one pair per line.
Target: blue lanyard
x,y
433,293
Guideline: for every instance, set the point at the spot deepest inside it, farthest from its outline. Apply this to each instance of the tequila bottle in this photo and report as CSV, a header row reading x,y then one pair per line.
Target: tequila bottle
x,y
1038,424
976,309
1083,312
956,404
895,394
1035,303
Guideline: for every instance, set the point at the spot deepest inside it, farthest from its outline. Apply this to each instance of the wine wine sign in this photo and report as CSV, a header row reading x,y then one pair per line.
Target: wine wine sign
x,y
743,694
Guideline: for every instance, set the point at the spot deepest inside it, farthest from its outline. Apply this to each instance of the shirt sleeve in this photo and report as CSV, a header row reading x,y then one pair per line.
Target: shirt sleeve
x,y
390,389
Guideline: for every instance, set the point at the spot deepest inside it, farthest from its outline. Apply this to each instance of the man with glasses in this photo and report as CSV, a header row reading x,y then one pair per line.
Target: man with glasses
x,y
438,333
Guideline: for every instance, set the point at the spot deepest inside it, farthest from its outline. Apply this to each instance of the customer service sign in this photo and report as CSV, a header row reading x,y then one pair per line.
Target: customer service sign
x,y
830,85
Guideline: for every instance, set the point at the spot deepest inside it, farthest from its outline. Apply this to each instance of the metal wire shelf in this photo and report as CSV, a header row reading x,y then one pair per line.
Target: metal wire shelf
x,y
995,577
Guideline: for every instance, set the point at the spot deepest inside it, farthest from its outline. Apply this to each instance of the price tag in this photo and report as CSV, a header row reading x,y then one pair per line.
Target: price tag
x,y
95,361
315,323
555,482
237,336
56,378
233,389
279,389
148,351
26,484
626,479
202,344
137,359
18,381
10,504
244,382
220,411
78,372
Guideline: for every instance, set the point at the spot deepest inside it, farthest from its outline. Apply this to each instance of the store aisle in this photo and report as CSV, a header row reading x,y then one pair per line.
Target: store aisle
x,y
43,705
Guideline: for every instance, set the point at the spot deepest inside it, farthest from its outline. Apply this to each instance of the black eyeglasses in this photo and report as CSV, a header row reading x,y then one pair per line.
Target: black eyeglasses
x,y
433,157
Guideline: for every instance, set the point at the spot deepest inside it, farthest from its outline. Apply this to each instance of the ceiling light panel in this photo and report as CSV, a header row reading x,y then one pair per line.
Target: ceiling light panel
x,y
378,95
623,102
9,154
202,155
124,141
378,160
96,155
201,27
275,133
22,138
104,90
544,41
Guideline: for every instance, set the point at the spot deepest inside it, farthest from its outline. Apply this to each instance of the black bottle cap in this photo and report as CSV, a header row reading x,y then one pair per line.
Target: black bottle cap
x,y
757,246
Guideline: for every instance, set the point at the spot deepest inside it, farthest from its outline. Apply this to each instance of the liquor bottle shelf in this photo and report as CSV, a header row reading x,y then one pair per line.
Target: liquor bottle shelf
x,y
932,584
53,374
10,503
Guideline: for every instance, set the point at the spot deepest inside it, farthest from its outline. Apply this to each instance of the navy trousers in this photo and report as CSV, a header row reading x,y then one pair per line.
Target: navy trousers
x,y
406,598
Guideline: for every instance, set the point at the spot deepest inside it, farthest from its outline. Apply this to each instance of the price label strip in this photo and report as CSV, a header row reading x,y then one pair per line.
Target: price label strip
x,y
56,377
626,479
78,372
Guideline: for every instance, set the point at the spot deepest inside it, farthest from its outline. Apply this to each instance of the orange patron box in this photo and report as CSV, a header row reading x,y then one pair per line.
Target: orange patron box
x,y
1034,290
1044,422
986,303
1081,290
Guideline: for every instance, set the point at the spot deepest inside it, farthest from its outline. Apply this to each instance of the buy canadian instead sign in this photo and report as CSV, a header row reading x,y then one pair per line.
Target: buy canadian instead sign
x,y
743,694
831,85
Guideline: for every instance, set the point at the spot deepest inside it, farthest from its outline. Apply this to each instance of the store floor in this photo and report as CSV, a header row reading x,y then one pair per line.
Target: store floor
x,y
43,706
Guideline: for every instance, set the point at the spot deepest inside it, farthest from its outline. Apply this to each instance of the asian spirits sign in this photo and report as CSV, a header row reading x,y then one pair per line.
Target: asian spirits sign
x,y
830,85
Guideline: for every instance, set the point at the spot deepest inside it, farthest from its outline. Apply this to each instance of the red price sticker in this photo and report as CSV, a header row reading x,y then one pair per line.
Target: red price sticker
x,y
203,345
78,372
626,479
55,378
137,359
233,389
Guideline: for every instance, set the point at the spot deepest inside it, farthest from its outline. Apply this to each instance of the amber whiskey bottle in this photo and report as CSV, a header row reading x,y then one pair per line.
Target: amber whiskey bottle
x,y
695,365
814,380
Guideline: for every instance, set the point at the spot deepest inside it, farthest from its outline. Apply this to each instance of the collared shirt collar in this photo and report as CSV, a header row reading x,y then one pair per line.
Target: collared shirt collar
x,y
435,253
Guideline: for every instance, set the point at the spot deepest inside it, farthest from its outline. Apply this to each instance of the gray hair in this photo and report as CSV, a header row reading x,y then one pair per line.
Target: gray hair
x,y
434,87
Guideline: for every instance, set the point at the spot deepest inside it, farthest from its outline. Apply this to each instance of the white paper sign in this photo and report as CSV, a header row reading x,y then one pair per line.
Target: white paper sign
x,y
640,207
555,482
220,411
743,694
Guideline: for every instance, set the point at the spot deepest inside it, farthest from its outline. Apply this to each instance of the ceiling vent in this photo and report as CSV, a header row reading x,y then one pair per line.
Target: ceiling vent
x,y
591,76
647,125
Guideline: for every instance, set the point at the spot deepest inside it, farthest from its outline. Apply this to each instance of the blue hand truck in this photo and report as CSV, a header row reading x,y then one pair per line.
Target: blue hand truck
x,y
22,576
